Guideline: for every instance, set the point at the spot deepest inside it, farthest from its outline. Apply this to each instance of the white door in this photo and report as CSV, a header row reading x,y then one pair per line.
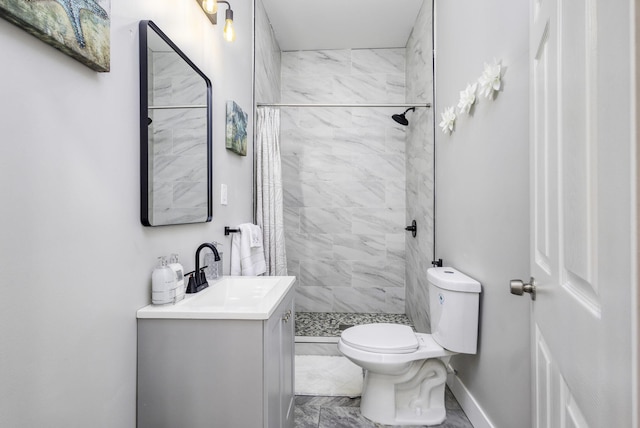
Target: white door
x,y
581,213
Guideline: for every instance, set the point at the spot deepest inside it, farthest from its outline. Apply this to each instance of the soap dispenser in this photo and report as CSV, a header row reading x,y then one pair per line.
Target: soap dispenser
x,y
213,268
178,270
163,283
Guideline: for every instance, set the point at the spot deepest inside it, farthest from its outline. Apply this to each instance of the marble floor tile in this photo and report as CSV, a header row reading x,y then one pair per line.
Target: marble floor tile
x,y
306,416
343,417
455,419
344,412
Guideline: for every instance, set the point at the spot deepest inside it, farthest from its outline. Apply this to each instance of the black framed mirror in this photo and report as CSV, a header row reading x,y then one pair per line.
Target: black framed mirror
x,y
176,166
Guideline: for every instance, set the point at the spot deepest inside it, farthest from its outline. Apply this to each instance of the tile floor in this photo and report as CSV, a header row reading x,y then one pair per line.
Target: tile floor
x,y
344,412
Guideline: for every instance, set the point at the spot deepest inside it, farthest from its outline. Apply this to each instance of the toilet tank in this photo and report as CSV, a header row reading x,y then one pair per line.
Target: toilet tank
x,y
454,303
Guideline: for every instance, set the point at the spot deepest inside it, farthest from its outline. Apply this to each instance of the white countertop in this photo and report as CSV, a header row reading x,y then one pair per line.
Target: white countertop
x,y
231,297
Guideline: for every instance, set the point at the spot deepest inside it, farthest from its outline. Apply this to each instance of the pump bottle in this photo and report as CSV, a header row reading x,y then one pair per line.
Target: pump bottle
x,y
178,270
163,283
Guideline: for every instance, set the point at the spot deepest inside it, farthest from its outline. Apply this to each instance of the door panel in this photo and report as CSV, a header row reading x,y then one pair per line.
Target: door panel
x,y
541,98
564,189
577,112
581,318
542,382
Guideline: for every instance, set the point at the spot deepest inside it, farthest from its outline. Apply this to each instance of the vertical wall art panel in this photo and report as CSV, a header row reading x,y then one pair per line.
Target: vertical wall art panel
x,y
79,28
236,131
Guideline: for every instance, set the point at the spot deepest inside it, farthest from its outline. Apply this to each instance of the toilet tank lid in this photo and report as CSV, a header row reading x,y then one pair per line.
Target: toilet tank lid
x,y
450,279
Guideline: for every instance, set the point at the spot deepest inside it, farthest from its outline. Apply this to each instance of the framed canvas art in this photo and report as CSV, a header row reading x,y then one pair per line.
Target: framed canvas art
x,y
236,135
79,28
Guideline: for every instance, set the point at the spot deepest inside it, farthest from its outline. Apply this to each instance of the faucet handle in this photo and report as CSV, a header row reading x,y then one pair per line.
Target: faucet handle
x,y
202,279
197,281
192,287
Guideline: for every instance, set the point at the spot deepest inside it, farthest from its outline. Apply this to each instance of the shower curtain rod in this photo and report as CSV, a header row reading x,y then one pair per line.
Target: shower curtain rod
x,y
427,105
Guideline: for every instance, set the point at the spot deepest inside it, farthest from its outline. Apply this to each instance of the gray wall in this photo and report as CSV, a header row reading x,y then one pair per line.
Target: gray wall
x,y
344,180
482,222
420,167
76,262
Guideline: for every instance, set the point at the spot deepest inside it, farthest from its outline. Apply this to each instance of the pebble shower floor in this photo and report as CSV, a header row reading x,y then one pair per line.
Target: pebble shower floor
x,y
331,324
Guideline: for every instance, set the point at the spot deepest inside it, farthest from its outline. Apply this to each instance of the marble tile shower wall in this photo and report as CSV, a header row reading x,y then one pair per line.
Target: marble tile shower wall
x,y
267,62
344,180
179,173
420,168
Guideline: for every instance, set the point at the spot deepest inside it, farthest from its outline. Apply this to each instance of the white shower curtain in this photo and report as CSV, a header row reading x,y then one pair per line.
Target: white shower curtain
x,y
269,207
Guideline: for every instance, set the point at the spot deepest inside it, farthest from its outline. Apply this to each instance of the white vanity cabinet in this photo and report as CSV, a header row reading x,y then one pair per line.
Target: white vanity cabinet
x,y
223,372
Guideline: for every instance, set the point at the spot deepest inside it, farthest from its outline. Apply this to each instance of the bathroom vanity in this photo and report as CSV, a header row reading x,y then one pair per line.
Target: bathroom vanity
x,y
220,358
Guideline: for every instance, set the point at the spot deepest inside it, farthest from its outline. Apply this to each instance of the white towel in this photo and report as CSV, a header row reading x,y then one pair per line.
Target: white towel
x,y
245,259
255,236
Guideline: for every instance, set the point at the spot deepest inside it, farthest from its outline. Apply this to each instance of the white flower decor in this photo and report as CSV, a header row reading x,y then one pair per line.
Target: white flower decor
x,y
490,80
448,120
467,98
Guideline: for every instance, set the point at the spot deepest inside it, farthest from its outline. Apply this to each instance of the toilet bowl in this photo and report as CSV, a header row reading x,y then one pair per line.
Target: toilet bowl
x,y
405,372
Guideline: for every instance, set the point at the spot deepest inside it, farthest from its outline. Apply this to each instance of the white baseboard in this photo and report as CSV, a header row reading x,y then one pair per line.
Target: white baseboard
x,y
471,407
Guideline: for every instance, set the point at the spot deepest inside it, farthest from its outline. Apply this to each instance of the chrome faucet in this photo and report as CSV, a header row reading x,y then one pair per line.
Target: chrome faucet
x,y
198,279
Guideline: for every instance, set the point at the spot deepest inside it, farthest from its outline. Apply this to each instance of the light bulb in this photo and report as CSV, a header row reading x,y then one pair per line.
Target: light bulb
x,y
229,33
210,6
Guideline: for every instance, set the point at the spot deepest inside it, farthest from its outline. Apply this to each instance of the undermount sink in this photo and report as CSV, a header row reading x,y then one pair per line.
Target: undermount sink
x,y
232,297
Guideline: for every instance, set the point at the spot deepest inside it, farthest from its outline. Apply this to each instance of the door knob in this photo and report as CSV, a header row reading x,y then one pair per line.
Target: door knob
x,y
518,287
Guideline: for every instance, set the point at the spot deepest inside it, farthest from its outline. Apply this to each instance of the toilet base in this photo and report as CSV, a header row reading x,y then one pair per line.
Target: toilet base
x,y
415,397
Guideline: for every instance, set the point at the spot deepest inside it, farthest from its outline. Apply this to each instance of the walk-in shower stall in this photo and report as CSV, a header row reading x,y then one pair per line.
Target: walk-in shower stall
x,y
356,142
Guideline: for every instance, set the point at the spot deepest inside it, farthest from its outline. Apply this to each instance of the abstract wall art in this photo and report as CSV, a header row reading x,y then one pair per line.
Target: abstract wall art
x,y
79,28
236,136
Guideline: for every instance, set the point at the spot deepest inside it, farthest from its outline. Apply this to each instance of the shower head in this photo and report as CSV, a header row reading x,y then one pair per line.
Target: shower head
x,y
400,118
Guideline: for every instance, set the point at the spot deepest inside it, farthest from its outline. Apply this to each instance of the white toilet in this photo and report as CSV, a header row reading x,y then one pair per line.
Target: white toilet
x,y
405,372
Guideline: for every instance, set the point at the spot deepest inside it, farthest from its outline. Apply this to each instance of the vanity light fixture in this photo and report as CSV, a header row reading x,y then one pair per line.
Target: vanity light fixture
x,y
210,8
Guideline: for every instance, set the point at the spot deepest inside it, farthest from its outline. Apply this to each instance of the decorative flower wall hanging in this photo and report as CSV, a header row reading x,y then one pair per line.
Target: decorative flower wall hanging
x,y
467,98
490,82
490,79
448,120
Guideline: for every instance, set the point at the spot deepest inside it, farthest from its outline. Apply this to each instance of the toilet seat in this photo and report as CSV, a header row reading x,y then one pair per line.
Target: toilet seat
x,y
381,338
365,343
